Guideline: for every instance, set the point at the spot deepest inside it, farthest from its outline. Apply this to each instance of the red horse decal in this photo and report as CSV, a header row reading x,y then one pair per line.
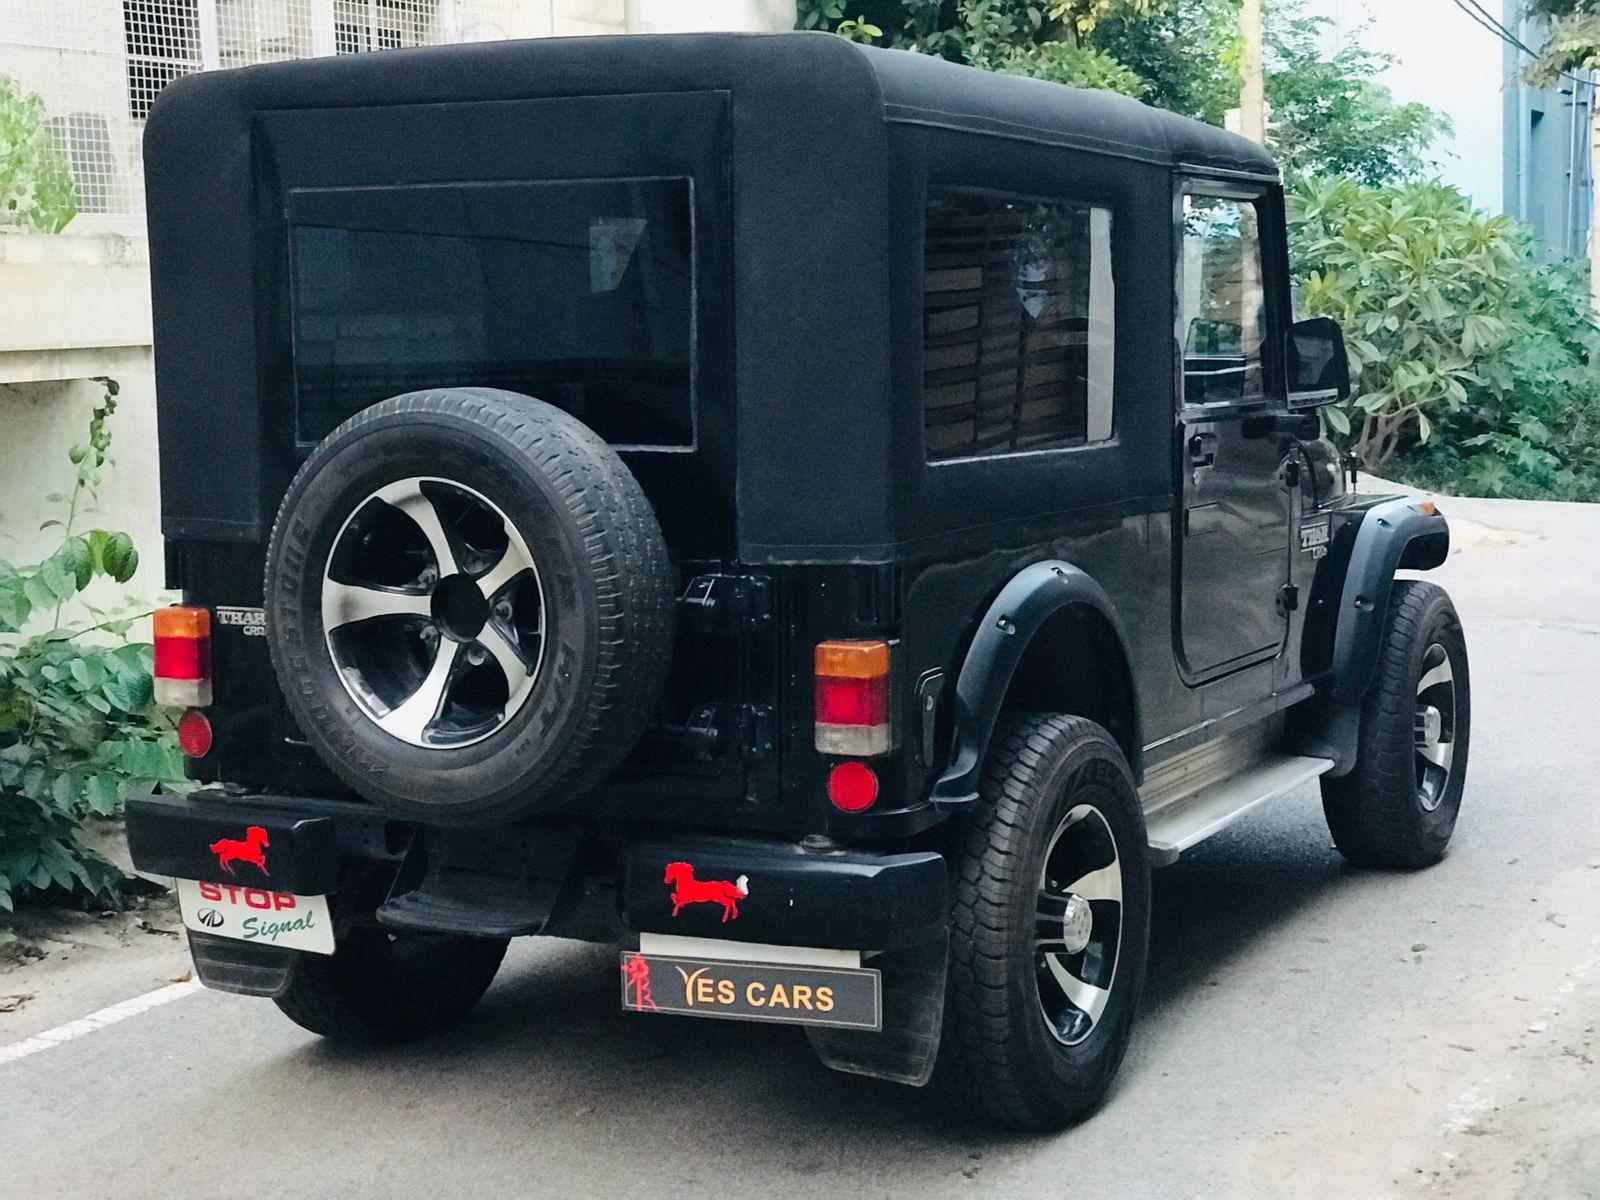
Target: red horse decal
x,y
252,850
686,889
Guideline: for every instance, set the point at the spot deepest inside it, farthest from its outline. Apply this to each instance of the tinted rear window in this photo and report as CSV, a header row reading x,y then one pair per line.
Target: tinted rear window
x,y
577,292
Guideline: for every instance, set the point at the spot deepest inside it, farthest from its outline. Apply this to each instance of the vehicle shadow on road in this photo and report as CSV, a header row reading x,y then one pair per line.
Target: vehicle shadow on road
x,y
549,1050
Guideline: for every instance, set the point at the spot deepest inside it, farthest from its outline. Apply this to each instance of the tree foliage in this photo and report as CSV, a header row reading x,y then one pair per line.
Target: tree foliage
x,y
36,188
1454,330
1574,40
78,730
1330,116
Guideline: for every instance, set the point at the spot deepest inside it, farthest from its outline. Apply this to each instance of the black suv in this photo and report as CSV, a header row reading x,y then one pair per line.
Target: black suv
x,y
822,519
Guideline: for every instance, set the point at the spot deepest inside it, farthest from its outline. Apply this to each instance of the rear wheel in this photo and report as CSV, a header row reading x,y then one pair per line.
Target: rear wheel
x,y
1050,930
1398,806
382,988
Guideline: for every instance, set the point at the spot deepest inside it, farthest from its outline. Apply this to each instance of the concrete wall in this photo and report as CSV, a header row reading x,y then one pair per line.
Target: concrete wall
x,y
39,423
72,307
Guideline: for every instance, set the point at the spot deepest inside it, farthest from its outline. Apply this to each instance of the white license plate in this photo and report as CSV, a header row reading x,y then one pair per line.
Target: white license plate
x,y
253,914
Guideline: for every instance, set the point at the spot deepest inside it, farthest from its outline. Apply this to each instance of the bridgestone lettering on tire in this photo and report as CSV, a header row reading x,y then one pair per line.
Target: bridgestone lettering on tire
x,y
469,606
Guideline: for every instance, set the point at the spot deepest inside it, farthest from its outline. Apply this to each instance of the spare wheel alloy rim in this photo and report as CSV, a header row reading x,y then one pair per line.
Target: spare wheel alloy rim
x,y
434,613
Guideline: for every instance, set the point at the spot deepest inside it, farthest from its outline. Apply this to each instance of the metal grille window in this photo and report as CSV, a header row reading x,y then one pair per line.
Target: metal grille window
x,y
163,40
256,31
363,25
1018,311
99,64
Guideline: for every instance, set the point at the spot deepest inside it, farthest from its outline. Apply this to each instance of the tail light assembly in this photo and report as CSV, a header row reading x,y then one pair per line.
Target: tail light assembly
x,y
853,716
183,656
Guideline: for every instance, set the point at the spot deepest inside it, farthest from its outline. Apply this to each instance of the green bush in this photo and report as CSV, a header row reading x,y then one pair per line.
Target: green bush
x,y
1474,367
36,188
78,731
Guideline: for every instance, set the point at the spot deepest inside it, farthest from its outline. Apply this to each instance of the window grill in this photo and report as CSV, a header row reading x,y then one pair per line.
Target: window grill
x,y
163,41
100,64
1016,325
363,25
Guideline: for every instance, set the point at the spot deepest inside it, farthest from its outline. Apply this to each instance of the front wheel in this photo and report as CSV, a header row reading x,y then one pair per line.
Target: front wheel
x,y
1050,929
1398,806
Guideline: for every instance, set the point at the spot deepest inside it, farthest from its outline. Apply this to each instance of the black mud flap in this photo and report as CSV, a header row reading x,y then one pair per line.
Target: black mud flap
x,y
244,968
913,1018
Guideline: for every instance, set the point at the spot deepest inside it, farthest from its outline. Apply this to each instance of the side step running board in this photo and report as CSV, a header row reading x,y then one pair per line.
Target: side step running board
x,y
1189,819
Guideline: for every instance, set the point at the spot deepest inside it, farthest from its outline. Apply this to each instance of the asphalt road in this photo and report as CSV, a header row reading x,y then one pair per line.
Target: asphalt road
x,y
1309,1029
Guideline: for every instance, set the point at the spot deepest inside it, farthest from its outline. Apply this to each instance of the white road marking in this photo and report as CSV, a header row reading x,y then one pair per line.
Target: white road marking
x,y
62,1034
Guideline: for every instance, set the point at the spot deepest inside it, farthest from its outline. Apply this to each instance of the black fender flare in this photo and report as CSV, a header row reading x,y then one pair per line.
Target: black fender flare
x,y
1404,533
1032,596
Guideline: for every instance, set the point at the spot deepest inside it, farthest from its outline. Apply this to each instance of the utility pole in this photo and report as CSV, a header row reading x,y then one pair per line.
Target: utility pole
x,y
1253,99
1594,186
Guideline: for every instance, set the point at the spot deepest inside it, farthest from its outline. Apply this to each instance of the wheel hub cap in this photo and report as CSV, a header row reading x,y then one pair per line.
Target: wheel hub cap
x,y
459,608
1076,924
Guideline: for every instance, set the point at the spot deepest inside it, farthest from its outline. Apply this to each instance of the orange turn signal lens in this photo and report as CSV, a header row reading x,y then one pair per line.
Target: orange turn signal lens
x,y
852,660
178,621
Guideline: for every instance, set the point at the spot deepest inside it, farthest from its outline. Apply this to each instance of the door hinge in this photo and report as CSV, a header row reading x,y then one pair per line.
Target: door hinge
x,y
727,604
1288,599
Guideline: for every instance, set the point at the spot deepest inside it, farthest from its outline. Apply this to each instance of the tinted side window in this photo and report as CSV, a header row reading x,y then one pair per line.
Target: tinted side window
x,y
579,293
1018,312
1222,301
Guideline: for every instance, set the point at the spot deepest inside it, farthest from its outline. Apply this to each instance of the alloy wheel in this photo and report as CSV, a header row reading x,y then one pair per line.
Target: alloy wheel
x,y
434,613
1434,727
1078,924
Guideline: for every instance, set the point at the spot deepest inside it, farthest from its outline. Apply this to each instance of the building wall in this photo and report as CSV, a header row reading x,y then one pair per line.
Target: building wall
x,y
76,305
1547,148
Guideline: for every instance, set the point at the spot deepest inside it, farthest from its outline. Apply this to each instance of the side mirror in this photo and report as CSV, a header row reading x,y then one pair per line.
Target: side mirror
x,y
1319,368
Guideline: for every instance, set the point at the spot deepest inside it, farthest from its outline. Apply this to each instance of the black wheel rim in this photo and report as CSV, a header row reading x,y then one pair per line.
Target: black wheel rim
x,y
433,613
1078,924
1435,726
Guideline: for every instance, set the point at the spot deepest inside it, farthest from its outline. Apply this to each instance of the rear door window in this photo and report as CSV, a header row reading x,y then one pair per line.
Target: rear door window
x,y
577,292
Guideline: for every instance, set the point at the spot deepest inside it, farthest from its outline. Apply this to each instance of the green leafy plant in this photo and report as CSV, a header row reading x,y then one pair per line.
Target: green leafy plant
x,y
78,730
1421,283
36,188
1474,367
857,30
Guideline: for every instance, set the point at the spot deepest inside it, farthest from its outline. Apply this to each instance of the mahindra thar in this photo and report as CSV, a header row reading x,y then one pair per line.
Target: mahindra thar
x,y
824,520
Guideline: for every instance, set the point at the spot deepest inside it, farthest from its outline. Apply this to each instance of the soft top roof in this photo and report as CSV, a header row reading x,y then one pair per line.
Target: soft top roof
x,y
794,141
911,88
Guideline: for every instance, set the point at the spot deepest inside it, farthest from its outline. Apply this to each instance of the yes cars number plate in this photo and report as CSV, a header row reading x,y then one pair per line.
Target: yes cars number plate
x,y
253,914
750,991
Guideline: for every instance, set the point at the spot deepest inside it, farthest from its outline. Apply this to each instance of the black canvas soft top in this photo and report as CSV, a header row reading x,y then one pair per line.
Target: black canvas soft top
x,y
911,88
790,142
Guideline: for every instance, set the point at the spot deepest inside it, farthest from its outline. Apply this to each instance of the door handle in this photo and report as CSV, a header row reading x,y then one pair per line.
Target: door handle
x,y
1203,450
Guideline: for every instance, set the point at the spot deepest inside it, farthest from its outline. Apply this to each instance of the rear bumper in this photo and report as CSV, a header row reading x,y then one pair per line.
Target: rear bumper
x,y
738,890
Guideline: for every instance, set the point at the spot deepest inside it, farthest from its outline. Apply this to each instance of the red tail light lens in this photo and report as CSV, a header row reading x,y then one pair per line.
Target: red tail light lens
x,y
194,733
852,787
853,715
183,656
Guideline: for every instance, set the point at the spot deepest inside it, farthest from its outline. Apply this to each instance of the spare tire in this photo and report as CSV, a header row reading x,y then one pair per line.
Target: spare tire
x,y
469,606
